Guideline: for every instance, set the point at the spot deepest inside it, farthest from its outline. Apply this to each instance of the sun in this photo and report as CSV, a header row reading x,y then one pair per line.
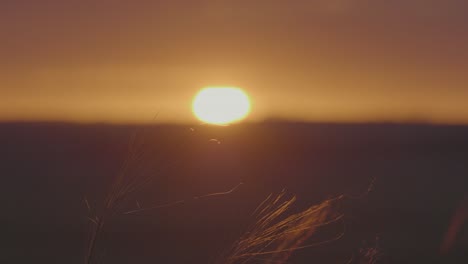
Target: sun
x,y
221,105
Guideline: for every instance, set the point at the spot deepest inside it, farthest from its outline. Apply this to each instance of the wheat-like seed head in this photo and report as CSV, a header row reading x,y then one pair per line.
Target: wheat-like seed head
x,y
274,235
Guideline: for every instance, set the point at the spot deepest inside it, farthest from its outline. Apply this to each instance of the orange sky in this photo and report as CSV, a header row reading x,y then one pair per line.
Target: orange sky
x,y
323,60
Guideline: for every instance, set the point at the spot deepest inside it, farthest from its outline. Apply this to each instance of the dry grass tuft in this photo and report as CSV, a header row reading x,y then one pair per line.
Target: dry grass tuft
x,y
275,235
134,174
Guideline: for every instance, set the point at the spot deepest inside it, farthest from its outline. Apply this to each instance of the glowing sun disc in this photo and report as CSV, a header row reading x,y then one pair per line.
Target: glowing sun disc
x,y
221,105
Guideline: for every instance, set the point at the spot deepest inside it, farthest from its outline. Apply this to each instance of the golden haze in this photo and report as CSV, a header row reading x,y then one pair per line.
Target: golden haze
x,y
304,60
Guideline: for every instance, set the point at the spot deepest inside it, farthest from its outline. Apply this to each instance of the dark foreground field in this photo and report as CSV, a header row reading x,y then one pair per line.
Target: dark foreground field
x,y
420,172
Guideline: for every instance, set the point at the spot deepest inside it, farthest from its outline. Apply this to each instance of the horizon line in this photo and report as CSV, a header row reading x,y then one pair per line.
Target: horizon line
x,y
258,122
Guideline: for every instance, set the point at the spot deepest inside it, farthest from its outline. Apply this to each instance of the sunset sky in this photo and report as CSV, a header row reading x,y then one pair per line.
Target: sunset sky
x,y
322,60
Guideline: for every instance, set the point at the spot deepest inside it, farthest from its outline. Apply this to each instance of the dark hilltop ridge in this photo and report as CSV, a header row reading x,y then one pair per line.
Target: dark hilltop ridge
x,y
418,174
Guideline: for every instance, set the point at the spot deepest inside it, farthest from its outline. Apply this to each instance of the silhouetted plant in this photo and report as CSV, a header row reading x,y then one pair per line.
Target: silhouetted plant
x,y
132,176
275,233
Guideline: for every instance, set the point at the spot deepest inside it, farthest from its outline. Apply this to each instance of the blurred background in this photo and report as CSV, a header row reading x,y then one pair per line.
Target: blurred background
x,y
344,92
338,60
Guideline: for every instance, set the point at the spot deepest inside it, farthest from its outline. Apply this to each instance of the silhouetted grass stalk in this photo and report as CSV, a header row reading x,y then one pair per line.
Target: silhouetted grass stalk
x,y
275,234
131,177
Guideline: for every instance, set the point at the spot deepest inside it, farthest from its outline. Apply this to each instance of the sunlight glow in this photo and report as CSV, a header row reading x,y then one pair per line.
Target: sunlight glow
x,y
221,105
